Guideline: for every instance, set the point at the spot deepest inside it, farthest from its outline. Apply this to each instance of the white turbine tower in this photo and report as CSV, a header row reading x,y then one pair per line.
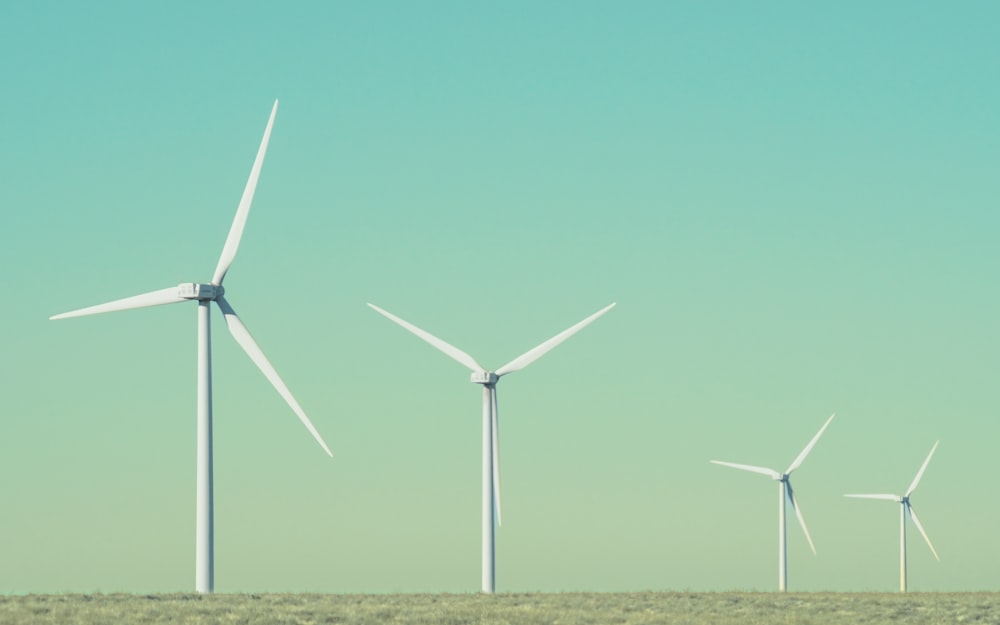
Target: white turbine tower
x,y
491,429
784,492
205,294
904,509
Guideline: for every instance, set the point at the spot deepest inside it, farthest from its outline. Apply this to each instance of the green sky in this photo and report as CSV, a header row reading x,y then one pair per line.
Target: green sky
x,y
794,207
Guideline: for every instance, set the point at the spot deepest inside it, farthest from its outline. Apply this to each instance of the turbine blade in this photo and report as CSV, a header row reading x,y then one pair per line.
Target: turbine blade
x,y
916,521
920,473
236,230
885,496
449,350
534,354
771,473
496,454
798,513
154,298
805,452
242,336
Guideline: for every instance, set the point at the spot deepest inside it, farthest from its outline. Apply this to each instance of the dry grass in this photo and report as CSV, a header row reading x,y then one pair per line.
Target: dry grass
x,y
644,608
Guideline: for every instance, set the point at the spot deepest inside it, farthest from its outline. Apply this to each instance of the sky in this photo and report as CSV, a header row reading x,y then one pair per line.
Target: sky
x,y
794,207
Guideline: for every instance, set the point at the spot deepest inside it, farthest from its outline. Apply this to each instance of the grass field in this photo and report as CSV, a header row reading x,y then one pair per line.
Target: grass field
x,y
530,609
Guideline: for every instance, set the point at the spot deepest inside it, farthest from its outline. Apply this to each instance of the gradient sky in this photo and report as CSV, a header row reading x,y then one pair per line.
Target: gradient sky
x,y
794,207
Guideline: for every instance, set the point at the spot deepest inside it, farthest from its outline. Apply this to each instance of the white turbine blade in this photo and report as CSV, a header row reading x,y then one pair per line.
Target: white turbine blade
x,y
236,230
496,453
885,496
242,336
920,473
916,521
534,354
805,452
771,473
798,513
154,298
449,350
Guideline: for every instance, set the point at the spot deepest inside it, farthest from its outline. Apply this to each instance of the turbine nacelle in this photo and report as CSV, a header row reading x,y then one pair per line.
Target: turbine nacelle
x,y
193,290
486,378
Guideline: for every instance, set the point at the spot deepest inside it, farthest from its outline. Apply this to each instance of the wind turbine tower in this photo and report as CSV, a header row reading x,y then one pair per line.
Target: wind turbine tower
x,y
906,508
785,493
491,422
204,294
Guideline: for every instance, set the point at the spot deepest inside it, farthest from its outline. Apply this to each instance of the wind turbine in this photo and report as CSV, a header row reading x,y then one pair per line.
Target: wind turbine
x,y
205,294
491,430
905,508
785,492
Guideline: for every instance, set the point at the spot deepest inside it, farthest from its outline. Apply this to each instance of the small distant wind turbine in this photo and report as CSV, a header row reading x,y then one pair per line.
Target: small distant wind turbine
x,y
784,492
491,428
205,294
905,508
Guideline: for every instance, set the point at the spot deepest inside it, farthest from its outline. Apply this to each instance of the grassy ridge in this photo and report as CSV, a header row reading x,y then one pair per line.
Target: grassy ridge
x,y
644,608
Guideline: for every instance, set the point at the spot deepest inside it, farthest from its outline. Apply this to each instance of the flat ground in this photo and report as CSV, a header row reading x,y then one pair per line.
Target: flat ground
x,y
529,608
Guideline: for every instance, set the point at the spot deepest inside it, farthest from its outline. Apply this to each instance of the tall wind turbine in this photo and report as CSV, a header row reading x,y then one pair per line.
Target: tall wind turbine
x,y
785,492
904,509
491,430
205,294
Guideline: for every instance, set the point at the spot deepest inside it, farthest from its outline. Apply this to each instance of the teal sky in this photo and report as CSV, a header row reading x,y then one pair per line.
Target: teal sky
x,y
795,208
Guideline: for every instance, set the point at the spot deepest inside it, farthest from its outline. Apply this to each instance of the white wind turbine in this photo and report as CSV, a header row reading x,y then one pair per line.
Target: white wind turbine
x,y
785,492
905,508
491,429
205,294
